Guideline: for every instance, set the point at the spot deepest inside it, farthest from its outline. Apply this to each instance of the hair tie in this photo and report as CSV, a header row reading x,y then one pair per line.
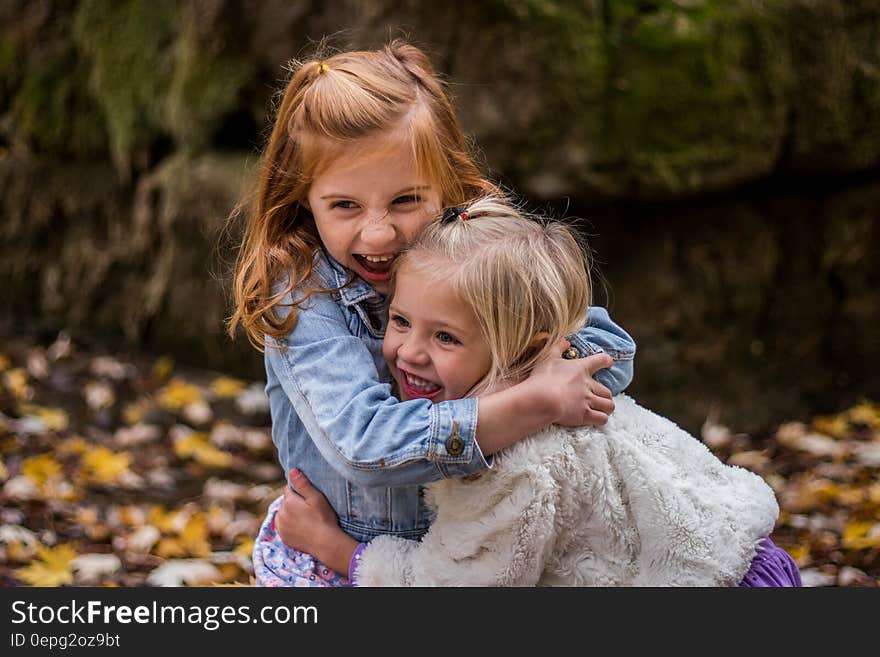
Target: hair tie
x,y
451,214
321,67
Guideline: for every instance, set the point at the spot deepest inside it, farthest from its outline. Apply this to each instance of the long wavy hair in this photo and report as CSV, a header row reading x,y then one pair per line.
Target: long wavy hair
x,y
327,104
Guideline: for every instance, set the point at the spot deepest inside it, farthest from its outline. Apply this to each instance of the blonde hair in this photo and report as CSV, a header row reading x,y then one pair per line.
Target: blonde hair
x,y
328,104
524,277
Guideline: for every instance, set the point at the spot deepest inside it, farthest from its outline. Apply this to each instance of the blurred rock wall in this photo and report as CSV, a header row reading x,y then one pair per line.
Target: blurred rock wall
x,y
129,131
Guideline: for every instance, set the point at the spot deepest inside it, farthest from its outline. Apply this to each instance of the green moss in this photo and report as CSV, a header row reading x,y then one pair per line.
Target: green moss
x,y
694,85
206,85
51,108
130,47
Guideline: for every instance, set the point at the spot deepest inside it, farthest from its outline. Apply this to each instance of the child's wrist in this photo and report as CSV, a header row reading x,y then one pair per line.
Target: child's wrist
x,y
543,403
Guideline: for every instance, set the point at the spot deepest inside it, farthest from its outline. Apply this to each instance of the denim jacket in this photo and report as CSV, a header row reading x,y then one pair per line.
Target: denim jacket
x,y
335,418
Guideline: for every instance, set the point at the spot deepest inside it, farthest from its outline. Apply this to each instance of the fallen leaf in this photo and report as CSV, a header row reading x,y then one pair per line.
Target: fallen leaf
x,y
41,468
22,488
253,400
196,446
98,395
865,413
17,543
52,568
37,365
55,419
103,466
198,412
226,387
835,426
74,446
139,434
89,568
141,540
105,366
177,394
61,348
163,367
16,381
184,572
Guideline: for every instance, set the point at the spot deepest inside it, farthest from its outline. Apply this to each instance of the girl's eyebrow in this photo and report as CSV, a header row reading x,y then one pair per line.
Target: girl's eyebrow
x,y
406,190
435,324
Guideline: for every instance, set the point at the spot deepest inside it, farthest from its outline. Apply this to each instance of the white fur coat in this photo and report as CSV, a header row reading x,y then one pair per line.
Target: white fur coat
x,y
639,502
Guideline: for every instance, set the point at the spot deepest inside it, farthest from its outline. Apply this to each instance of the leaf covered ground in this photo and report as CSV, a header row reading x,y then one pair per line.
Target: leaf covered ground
x,y
131,471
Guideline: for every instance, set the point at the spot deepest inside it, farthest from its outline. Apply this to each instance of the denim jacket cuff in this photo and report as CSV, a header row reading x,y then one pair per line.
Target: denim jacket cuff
x,y
586,348
453,445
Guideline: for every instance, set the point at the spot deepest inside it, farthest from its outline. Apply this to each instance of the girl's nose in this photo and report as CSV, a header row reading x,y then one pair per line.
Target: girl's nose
x,y
378,230
412,351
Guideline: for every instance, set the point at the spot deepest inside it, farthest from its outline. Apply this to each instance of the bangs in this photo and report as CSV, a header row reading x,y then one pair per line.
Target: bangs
x,y
432,154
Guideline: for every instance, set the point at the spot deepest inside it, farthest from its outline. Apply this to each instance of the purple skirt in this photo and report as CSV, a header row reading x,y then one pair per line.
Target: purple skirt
x,y
771,567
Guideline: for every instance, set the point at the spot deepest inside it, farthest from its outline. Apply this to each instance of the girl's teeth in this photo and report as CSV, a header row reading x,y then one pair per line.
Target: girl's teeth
x,y
421,384
378,258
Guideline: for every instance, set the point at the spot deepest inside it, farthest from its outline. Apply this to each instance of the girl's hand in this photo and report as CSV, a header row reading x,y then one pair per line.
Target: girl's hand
x,y
308,523
580,399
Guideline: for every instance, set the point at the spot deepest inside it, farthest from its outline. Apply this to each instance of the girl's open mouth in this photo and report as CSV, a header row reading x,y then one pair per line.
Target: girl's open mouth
x,y
418,388
375,268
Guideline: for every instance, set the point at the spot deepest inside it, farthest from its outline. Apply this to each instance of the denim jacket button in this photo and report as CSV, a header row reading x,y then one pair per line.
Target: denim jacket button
x,y
454,445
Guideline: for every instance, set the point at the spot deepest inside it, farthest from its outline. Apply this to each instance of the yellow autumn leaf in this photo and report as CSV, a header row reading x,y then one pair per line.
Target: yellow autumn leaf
x,y
865,413
178,394
164,521
135,412
73,446
55,419
196,446
52,567
16,381
163,367
800,554
861,535
226,387
170,547
835,426
104,466
41,468
245,547
191,541
195,536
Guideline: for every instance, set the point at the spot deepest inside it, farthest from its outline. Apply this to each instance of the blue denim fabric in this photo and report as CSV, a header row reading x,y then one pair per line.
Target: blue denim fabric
x,y
335,418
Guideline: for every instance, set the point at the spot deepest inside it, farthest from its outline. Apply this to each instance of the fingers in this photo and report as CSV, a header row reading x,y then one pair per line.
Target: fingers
x,y
560,345
602,405
302,486
597,362
596,419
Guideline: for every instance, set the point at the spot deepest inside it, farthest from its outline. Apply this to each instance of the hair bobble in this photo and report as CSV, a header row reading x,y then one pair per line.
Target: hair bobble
x,y
322,67
451,214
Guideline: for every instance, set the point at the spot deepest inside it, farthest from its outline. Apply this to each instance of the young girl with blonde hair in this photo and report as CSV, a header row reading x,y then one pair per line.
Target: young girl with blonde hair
x,y
480,300
364,151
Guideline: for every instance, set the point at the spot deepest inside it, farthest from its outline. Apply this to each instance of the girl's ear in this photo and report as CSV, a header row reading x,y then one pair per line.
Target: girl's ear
x,y
539,340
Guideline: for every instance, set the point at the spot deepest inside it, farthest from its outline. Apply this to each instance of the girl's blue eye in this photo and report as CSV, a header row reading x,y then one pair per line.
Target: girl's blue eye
x,y
344,205
446,338
399,321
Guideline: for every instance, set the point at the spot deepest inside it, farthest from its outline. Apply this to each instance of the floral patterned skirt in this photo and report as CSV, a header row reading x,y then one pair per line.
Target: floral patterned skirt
x,y
276,564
